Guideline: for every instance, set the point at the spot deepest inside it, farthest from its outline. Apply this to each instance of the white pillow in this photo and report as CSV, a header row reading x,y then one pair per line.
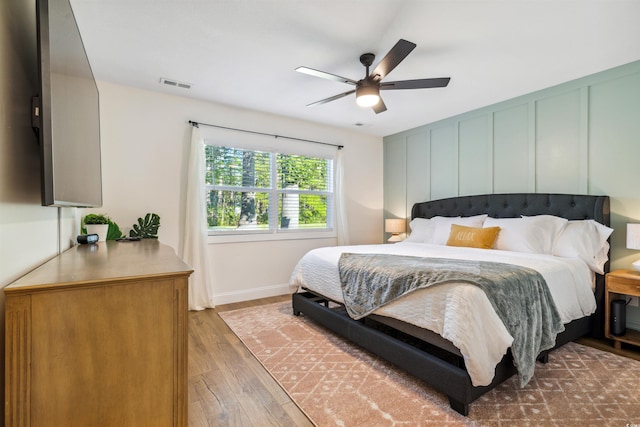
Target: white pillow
x,y
421,230
535,234
586,240
552,226
443,226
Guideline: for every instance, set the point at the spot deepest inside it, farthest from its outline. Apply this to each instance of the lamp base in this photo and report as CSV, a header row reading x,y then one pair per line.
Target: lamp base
x,y
395,237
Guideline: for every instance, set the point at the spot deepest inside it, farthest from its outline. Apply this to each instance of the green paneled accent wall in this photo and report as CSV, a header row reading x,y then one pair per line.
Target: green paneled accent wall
x,y
418,182
557,143
582,136
511,150
395,180
444,171
475,155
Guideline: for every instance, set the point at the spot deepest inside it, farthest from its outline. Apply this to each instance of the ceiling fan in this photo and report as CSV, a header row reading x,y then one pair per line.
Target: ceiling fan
x,y
368,89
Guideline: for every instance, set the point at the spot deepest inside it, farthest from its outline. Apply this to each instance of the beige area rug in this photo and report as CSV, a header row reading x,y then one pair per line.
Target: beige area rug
x,y
338,384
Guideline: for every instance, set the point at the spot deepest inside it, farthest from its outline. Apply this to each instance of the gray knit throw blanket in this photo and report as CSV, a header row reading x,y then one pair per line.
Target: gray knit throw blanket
x,y
519,295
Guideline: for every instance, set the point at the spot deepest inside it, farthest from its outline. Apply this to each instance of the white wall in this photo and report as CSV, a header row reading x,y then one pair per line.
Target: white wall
x,y
145,137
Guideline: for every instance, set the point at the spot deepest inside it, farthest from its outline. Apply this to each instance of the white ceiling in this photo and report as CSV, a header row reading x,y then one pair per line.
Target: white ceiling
x,y
243,52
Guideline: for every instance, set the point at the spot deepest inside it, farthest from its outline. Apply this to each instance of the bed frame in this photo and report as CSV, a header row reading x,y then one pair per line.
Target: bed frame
x,y
425,354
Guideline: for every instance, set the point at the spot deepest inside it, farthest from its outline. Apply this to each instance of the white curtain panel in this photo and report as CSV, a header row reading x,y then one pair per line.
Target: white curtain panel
x,y
341,217
194,249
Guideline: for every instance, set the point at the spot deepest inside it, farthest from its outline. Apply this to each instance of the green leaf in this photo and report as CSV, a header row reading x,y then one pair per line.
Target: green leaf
x,y
114,231
96,219
146,228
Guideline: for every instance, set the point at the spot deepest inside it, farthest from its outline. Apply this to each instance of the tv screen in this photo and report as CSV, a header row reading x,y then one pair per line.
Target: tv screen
x,y
68,113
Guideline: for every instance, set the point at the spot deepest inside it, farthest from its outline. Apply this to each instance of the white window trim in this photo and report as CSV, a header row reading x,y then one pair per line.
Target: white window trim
x,y
271,236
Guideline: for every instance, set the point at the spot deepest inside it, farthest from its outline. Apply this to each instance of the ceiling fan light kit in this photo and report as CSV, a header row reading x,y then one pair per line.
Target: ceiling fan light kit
x,y
368,89
367,93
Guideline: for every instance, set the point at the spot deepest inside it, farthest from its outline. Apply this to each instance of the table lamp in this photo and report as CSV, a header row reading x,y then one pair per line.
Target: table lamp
x,y
633,241
395,227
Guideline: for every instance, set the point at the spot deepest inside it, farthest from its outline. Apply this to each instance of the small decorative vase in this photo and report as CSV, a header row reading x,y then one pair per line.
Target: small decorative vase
x,y
100,229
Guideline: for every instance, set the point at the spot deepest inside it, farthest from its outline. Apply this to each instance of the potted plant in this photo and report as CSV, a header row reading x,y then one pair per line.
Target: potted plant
x,y
97,224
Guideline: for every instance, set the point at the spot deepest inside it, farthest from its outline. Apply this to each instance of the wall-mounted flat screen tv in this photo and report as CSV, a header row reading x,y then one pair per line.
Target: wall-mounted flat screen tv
x,y
66,111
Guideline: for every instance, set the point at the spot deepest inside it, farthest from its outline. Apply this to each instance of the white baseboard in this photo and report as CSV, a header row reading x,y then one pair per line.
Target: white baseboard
x,y
251,294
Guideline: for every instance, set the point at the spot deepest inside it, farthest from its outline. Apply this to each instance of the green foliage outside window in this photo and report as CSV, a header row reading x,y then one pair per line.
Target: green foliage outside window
x,y
240,188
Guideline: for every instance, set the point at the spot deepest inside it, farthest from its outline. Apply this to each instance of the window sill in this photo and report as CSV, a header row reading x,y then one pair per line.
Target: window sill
x,y
265,237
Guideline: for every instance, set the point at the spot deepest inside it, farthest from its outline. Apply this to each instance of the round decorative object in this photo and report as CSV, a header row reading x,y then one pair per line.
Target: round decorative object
x,y
636,265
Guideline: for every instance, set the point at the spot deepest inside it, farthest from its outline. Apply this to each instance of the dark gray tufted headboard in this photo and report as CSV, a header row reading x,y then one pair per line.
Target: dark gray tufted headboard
x,y
515,204
570,206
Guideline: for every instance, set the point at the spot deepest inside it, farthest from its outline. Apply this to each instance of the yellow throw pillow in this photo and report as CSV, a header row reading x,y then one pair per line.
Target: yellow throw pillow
x,y
471,237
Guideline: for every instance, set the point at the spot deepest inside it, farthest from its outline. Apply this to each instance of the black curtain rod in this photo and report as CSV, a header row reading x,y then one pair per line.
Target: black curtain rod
x,y
196,124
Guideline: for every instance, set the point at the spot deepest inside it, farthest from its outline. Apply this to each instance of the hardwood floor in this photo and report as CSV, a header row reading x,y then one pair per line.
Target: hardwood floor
x,y
630,351
229,387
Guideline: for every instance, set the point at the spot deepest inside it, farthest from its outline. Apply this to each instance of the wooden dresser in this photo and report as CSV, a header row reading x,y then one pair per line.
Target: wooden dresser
x,y
98,337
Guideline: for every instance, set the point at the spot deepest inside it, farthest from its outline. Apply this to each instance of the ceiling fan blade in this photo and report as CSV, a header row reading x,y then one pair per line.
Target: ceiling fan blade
x,y
393,58
324,75
333,98
379,107
416,84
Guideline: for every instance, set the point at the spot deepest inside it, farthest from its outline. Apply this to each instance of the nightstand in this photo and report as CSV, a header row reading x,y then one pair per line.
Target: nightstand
x,y
620,282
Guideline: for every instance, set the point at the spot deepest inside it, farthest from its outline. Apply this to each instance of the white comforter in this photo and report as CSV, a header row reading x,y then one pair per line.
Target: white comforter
x,y
459,312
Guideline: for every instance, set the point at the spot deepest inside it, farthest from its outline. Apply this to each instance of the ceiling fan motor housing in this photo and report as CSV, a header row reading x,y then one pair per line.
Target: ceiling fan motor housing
x,y
366,59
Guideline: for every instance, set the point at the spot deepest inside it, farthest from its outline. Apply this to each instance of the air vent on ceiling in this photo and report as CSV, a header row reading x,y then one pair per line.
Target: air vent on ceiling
x,y
175,83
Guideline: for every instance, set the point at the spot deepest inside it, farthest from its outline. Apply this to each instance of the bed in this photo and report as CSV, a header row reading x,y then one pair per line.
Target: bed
x,y
426,347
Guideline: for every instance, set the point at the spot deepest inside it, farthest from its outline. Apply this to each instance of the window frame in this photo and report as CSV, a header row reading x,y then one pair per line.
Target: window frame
x,y
275,232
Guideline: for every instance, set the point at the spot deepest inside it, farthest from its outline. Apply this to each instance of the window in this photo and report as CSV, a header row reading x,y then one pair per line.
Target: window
x,y
251,191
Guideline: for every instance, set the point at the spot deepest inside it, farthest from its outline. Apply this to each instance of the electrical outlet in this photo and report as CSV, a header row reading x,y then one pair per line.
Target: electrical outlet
x,y
633,302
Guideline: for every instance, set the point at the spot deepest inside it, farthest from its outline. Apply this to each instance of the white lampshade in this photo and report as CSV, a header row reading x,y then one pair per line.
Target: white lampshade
x,y
395,227
633,236
367,94
633,241
367,100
